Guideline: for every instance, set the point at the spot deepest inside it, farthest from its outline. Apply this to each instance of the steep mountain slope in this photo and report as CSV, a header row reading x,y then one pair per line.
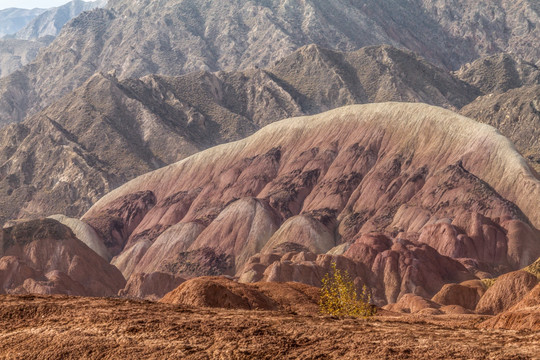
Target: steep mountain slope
x,y
58,161
448,193
51,21
516,114
174,36
14,19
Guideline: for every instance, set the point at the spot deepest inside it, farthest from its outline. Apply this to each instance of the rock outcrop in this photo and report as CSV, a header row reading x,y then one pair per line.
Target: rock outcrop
x,y
45,257
465,295
407,170
507,290
414,304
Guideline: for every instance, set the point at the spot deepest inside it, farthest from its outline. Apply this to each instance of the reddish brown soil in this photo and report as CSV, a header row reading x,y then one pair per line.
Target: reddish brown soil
x,y
37,327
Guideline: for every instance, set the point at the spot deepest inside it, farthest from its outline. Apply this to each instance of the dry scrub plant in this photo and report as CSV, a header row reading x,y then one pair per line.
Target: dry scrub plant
x,y
340,298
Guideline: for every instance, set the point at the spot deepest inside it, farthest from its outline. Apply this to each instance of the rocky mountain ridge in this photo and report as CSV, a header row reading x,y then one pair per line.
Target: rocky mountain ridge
x,y
51,21
136,39
156,120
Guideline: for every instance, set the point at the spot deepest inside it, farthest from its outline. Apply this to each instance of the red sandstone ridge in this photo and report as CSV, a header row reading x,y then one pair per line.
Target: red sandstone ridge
x,y
45,257
446,193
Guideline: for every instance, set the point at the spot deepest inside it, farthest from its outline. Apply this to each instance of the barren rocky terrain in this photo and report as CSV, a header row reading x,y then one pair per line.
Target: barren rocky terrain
x,y
37,327
179,178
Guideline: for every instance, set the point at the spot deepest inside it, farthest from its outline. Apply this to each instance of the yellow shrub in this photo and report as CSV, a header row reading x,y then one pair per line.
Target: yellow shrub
x,y
340,298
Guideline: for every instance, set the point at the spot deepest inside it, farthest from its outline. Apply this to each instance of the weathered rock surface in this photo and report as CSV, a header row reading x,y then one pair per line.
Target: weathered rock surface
x,y
57,161
516,114
386,268
45,257
525,315
240,34
326,180
225,293
86,234
508,290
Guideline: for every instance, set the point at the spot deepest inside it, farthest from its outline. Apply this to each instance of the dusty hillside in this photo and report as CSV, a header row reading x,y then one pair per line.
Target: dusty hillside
x,y
34,327
174,37
516,114
499,73
411,171
58,161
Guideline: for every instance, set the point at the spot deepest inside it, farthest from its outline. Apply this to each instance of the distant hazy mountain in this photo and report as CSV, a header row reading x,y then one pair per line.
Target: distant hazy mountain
x,y
13,19
15,53
173,37
20,48
52,21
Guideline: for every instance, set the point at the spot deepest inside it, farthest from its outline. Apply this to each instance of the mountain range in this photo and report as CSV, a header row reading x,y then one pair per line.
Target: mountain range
x,y
175,37
157,120
215,154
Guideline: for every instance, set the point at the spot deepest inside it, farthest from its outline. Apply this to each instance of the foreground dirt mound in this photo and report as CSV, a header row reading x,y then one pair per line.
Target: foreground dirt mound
x,y
525,315
222,292
506,292
45,257
34,327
